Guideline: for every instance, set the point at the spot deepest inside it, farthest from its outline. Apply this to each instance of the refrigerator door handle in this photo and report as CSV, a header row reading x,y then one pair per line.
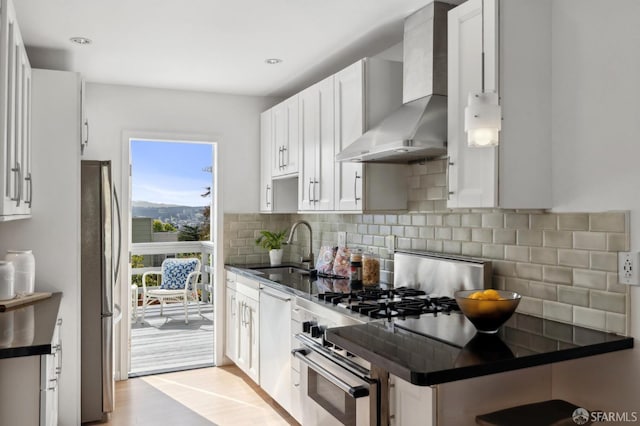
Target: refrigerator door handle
x,y
119,253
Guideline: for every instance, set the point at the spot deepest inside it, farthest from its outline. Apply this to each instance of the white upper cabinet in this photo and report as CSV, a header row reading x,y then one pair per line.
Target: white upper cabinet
x,y
266,185
316,176
515,39
285,138
15,119
365,93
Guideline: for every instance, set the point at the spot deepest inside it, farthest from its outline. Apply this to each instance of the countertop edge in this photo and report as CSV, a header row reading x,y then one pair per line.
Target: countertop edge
x,y
45,333
467,372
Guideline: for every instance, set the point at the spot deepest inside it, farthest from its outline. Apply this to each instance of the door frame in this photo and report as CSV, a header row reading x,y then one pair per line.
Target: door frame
x,y
123,329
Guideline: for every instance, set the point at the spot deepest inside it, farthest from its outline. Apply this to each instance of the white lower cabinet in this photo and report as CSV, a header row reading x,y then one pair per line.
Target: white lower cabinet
x,y
29,387
231,318
248,339
409,404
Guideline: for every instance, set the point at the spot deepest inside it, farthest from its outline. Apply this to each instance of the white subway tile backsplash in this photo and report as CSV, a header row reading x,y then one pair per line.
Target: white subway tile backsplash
x,y
576,258
557,311
493,220
529,237
604,261
590,279
556,274
544,221
564,264
608,222
516,221
471,249
589,317
573,295
504,236
573,222
611,302
517,253
590,240
559,239
548,256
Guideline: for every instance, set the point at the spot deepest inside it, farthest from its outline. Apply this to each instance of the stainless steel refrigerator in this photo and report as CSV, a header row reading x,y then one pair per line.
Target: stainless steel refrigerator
x,y
99,270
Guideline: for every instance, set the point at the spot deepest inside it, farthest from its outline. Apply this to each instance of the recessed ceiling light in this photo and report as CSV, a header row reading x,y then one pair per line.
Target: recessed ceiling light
x,y
273,61
80,40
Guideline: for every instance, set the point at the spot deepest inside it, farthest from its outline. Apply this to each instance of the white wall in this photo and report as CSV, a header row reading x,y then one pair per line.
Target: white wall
x,y
596,149
54,230
233,121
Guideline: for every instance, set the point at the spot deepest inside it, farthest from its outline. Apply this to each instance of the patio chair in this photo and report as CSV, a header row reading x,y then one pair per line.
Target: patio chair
x,y
179,278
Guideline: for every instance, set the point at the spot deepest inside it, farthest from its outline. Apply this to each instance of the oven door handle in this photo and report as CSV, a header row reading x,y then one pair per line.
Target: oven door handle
x,y
354,391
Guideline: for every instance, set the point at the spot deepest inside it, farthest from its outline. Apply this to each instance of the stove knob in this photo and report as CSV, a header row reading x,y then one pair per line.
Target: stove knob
x,y
326,343
317,331
306,326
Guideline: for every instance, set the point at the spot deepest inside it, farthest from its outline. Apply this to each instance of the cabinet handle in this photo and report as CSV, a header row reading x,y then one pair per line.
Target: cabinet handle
x,y
355,187
53,387
449,164
280,158
30,180
284,159
310,196
266,195
18,184
315,191
233,303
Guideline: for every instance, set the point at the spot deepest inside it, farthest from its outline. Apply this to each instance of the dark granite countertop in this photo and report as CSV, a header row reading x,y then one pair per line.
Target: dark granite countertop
x,y
28,330
447,348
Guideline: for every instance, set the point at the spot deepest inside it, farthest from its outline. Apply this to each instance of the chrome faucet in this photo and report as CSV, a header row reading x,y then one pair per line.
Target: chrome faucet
x,y
309,259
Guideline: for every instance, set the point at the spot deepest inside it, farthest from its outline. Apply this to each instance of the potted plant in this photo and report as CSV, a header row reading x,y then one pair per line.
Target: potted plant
x,y
272,241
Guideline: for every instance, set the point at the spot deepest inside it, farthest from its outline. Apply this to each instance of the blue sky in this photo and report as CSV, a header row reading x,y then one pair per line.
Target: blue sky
x,y
170,172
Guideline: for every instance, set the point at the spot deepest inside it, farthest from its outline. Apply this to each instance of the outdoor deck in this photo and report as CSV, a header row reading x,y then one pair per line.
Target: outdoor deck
x,y
166,343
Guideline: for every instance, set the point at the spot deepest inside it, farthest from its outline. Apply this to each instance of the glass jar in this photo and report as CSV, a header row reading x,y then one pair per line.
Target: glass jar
x,y
370,269
355,263
25,269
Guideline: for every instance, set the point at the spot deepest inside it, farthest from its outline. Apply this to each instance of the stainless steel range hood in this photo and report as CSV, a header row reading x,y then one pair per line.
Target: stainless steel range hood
x,y
418,129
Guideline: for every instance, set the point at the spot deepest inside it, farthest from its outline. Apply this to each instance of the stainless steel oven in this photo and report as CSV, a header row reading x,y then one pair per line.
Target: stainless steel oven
x,y
335,388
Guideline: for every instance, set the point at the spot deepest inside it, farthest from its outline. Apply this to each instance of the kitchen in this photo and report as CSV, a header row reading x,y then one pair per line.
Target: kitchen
x,y
592,115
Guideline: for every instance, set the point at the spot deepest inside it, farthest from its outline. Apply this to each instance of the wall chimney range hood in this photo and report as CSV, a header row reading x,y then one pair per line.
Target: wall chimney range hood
x,y
418,129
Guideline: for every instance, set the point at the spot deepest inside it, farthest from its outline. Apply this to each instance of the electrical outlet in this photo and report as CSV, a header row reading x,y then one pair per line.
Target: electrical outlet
x,y
391,242
342,239
628,264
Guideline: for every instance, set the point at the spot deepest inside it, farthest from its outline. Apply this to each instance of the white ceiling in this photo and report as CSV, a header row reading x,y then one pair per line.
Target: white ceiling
x,y
210,45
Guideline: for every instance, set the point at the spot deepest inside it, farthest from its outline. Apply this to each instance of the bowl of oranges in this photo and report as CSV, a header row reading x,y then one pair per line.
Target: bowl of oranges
x,y
487,309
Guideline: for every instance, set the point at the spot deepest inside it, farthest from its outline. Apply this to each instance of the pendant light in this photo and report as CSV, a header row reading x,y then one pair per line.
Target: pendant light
x,y
483,115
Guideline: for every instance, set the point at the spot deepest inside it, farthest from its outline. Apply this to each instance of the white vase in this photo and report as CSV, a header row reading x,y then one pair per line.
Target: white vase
x,y
275,256
25,270
7,276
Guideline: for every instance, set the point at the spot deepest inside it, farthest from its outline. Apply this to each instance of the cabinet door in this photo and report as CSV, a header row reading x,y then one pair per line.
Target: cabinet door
x,y
315,187
253,344
309,127
473,172
409,404
243,338
15,117
266,186
349,125
26,192
232,324
285,137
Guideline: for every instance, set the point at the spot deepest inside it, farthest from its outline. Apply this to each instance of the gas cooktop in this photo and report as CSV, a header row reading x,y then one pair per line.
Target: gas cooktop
x,y
379,303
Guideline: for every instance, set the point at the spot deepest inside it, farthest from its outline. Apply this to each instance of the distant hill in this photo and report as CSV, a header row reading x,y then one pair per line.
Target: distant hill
x,y
169,213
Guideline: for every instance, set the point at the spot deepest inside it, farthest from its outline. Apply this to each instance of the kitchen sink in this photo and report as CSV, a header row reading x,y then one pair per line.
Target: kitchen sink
x,y
285,270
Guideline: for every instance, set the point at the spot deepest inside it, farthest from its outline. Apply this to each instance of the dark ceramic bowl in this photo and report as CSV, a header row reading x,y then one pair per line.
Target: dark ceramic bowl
x,y
487,310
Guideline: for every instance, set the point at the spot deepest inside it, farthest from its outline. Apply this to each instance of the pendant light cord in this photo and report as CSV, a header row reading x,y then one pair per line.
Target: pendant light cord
x,y
482,41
